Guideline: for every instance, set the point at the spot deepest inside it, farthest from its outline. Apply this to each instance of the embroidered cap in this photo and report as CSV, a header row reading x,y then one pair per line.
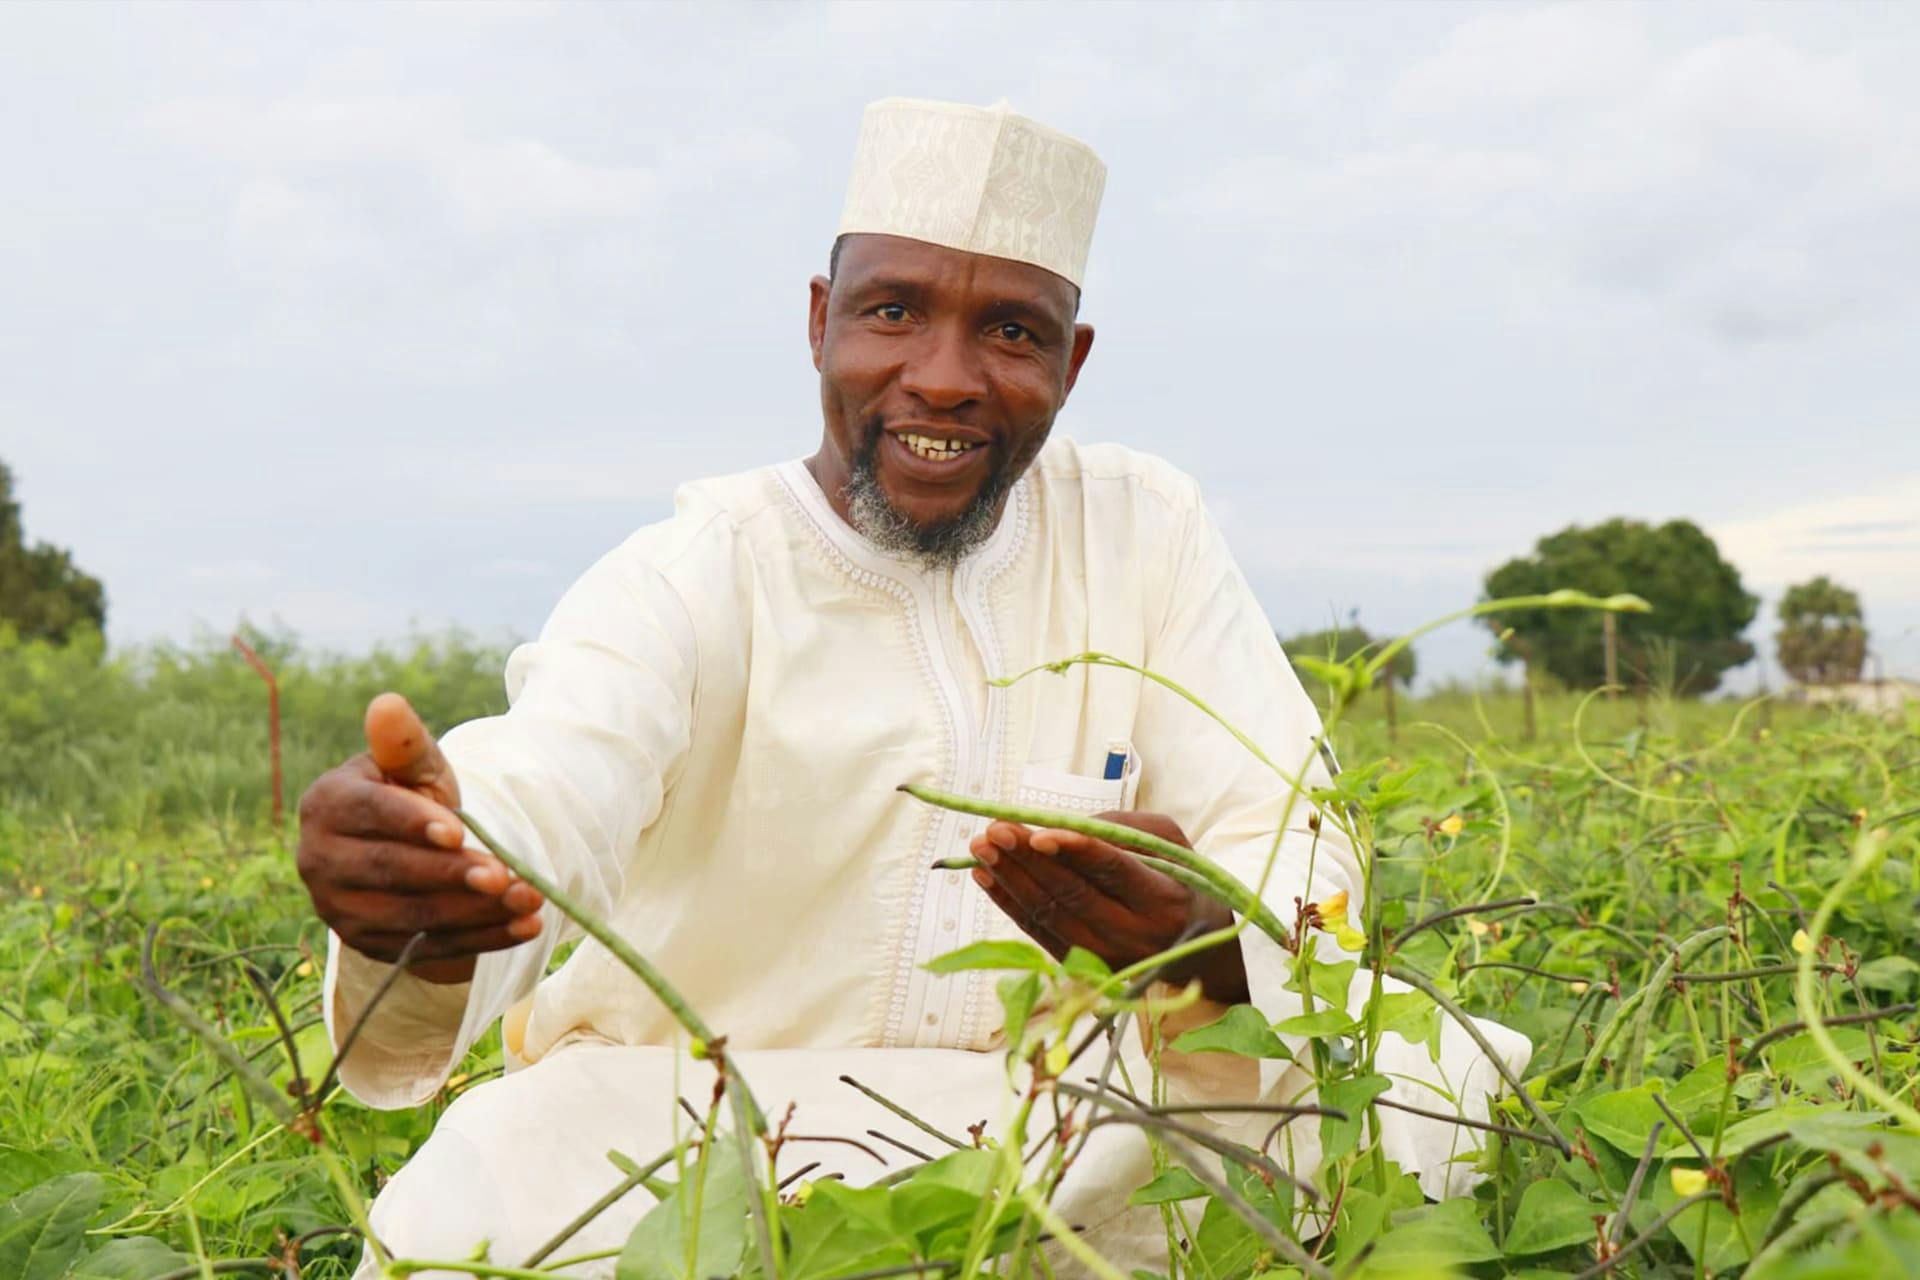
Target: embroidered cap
x,y
981,179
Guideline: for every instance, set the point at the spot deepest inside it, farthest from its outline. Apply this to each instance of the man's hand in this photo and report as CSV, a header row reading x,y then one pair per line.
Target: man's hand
x,y
1071,890
383,858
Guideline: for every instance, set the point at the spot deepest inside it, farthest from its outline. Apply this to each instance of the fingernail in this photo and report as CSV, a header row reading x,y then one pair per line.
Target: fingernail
x,y
524,927
1003,836
989,855
1043,842
981,878
443,834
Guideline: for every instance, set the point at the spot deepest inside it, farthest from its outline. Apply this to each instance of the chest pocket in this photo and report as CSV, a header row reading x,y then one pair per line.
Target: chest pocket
x,y
1044,788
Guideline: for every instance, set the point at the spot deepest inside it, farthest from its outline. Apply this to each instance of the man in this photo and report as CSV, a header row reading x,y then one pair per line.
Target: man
x,y
705,742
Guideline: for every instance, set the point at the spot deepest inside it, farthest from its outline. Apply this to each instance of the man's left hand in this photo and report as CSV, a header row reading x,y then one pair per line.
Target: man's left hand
x,y
1069,890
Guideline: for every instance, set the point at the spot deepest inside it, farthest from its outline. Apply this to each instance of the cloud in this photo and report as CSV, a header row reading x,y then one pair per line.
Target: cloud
x,y
1869,541
1745,184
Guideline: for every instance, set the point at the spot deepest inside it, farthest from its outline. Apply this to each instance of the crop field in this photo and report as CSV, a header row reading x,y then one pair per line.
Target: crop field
x,y
1701,914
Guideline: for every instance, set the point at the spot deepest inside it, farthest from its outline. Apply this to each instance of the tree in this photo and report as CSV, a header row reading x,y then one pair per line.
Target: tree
x,y
1337,644
1823,638
43,595
1687,642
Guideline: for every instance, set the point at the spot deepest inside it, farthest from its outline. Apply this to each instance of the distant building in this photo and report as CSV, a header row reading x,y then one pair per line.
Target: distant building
x,y
1887,697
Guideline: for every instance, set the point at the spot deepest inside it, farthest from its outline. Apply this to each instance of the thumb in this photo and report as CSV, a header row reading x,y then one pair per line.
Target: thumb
x,y
405,752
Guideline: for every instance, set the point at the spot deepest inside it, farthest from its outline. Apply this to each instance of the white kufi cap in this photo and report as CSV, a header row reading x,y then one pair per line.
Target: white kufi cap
x,y
980,179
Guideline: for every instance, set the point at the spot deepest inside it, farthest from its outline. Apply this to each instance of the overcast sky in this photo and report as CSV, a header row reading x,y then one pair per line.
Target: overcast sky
x,y
371,318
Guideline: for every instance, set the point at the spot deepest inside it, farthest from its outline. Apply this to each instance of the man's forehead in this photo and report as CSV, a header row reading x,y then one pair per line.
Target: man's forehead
x,y
868,257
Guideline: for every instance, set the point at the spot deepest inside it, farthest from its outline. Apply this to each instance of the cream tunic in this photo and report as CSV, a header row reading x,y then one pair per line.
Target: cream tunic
x,y
703,747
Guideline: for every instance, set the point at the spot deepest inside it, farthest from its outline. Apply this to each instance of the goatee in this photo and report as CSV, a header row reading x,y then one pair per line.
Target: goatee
x,y
939,545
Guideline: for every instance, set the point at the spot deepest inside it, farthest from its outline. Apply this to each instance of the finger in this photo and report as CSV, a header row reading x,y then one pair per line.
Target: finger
x,y
405,752
1117,873
420,912
1055,946
1005,835
1061,912
441,946
391,867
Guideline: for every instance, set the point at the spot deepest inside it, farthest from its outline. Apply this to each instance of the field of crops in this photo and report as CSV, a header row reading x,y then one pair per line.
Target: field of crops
x,y
1702,915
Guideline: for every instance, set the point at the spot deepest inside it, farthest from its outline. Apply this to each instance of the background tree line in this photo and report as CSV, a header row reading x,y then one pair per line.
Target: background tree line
x,y
1691,639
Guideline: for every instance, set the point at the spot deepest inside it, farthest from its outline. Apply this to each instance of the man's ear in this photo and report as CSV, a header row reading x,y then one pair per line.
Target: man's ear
x,y
818,292
1082,344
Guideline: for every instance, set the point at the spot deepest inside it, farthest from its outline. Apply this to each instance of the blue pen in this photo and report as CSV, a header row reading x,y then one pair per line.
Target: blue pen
x,y
1116,761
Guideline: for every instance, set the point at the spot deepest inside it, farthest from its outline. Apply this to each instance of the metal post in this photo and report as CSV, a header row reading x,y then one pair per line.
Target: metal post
x,y
273,721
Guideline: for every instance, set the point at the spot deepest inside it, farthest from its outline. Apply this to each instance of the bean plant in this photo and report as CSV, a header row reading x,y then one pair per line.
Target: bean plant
x,y
1702,920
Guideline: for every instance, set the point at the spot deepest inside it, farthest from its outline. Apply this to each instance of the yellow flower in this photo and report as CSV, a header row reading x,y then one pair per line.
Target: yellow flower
x,y
1452,825
1801,942
1688,1182
39,891
206,882
304,969
1333,906
1478,928
1578,988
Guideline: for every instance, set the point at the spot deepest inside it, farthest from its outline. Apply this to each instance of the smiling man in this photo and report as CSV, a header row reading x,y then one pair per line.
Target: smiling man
x,y
704,746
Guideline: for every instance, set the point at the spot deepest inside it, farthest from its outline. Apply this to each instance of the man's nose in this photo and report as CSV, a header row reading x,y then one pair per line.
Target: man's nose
x,y
944,371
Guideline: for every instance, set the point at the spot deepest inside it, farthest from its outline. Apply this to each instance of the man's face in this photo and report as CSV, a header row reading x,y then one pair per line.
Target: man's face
x,y
940,375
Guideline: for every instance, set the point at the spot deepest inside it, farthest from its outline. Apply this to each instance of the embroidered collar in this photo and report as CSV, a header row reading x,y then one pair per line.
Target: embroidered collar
x,y
986,560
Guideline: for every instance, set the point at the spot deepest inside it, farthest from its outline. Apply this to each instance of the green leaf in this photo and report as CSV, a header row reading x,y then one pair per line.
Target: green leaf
x,y
1317,1025
824,1238
1331,982
41,1228
715,1190
1086,966
1552,1215
1241,1029
1175,1184
1448,1234
1412,1014
1624,1118
135,1258
1893,974
1017,998
1340,1137
1003,954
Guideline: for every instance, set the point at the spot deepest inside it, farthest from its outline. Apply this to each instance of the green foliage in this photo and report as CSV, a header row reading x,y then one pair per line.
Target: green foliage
x,y
1822,638
1691,637
1339,644
171,736
43,594
1637,835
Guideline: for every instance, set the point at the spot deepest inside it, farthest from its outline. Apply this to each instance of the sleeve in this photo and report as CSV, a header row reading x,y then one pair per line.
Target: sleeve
x,y
1217,642
599,728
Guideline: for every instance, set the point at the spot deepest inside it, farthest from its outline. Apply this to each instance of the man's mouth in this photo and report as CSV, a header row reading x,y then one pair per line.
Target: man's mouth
x,y
935,449
933,459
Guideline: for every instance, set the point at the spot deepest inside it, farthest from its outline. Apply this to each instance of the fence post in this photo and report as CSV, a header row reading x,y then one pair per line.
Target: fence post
x,y
1613,660
273,720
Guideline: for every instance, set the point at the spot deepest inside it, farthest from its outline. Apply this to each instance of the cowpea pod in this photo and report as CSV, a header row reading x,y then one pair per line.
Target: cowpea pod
x,y
1189,868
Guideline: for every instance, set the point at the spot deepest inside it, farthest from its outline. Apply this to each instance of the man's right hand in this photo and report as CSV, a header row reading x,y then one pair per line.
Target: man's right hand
x,y
383,856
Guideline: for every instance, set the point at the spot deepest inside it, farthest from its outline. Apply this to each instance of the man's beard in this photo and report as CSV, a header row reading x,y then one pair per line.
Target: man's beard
x,y
940,545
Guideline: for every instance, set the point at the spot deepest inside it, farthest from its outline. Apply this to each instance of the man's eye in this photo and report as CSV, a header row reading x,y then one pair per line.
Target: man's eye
x,y
1013,332
892,313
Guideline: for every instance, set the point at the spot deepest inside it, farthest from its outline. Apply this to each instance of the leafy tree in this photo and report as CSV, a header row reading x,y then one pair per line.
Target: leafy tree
x,y
1337,644
43,595
1823,638
1691,637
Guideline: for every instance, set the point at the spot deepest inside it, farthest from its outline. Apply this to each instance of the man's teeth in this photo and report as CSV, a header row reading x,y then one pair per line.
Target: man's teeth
x,y
927,447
